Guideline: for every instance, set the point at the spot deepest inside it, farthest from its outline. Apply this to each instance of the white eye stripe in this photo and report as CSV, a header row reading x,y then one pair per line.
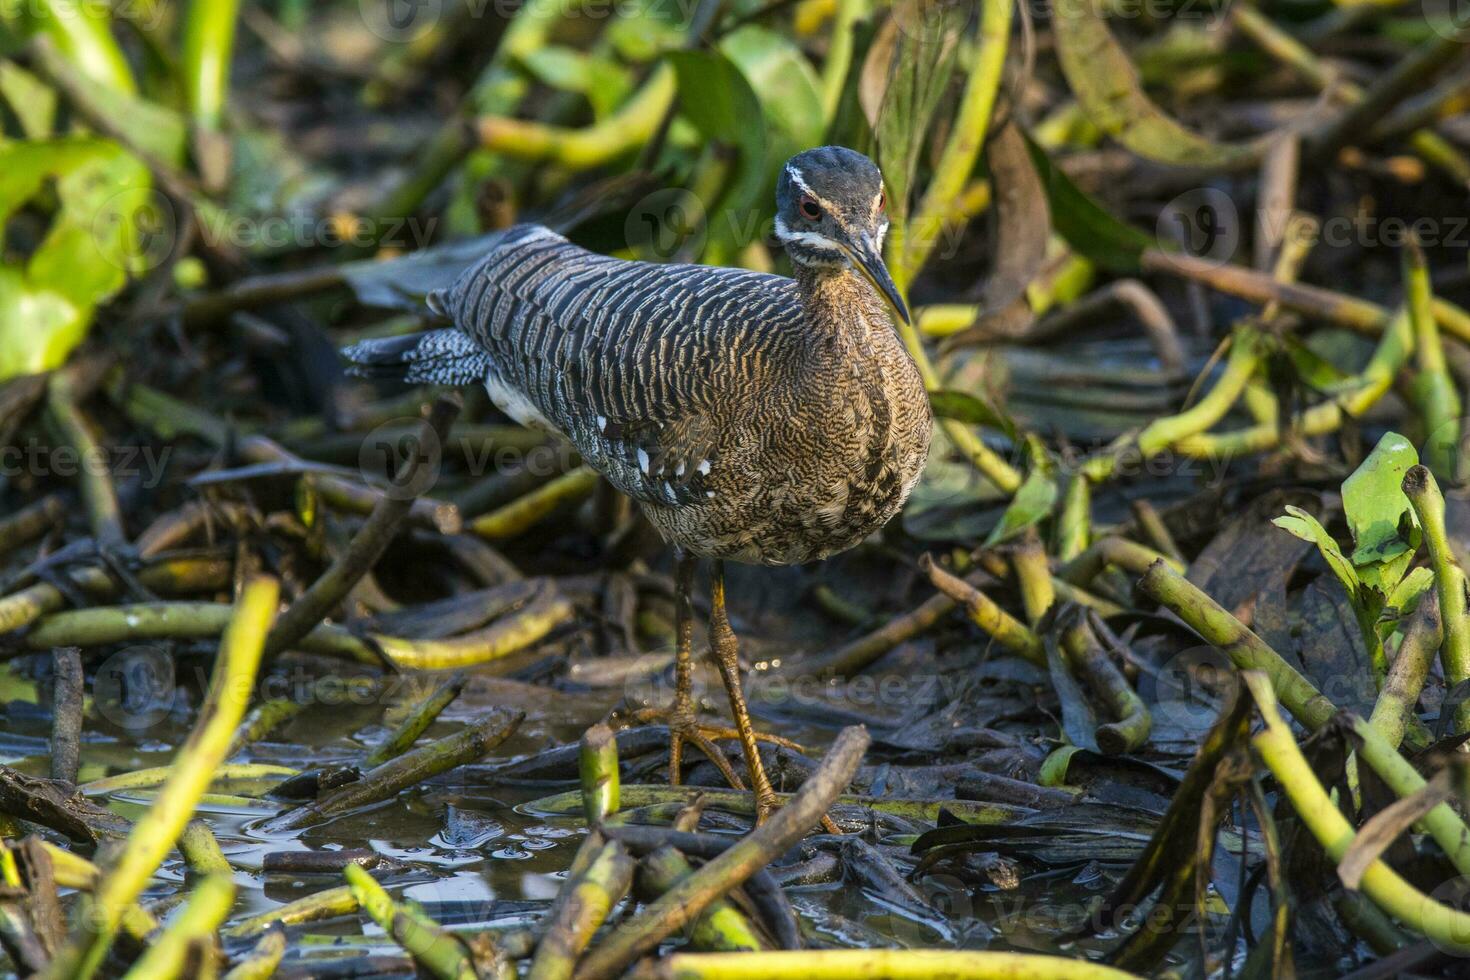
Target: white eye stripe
x,y
810,238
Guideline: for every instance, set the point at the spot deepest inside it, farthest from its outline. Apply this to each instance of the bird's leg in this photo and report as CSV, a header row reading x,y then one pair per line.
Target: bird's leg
x,y
683,724
681,716
727,655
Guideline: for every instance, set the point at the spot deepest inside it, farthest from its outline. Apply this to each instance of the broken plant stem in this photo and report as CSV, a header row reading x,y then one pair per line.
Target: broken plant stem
x,y
326,904
373,538
387,780
590,900
1449,579
521,515
409,730
173,576
436,951
1246,351
1395,705
1074,526
598,767
158,829
1129,731
876,964
66,713
1130,556
208,904
1004,628
685,902
201,850
722,927
1033,573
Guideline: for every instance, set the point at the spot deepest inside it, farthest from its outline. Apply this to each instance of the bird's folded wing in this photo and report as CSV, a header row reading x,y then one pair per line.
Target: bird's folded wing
x,y
638,364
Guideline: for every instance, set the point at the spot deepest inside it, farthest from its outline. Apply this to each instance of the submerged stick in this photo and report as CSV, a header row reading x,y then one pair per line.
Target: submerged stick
x,y
394,776
66,712
261,962
373,538
155,833
681,905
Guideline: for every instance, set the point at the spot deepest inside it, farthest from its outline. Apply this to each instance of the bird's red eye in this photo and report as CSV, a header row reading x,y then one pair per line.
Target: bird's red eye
x,y
810,210
882,200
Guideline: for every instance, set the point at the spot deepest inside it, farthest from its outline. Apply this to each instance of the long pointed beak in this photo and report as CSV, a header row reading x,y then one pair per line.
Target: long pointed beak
x,y
869,261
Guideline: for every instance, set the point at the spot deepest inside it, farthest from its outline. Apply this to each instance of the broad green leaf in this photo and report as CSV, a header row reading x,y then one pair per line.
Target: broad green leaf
x,y
32,101
1378,513
1107,86
1086,225
1033,502
1308,528
972,410
783,80
47,304
716,98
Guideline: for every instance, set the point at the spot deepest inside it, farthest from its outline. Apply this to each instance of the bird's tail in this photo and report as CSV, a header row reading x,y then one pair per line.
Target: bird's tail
x,y
442,357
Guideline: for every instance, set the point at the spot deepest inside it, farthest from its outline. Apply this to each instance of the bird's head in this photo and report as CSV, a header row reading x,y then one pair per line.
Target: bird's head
x,y
831,212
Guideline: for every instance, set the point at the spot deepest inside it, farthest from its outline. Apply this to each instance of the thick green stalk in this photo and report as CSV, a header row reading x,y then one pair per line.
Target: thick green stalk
x,y
1449,579
157,831
261,962
1074,526
598,766
880,964
209,38
1395,704
1004,628
436,951
722,928
82,32
208,904
1447,928
1433,387
590,900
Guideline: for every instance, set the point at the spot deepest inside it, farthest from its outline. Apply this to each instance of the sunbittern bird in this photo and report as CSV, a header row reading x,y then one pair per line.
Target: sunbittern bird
x,y
753,417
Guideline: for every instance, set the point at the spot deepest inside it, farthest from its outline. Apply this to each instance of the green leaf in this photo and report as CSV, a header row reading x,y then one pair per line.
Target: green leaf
x,y
32,101
1085,224
47,303
1108,89
784,82
1033,502
1405,595
1053,771
972,410
1379,515
716,98
1308,528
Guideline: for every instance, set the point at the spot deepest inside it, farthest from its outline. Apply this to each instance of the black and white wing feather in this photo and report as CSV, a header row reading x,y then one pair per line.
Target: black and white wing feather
x,y
631,361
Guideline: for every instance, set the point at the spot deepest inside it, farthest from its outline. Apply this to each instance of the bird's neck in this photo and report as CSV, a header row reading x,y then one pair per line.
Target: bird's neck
x,y
841,306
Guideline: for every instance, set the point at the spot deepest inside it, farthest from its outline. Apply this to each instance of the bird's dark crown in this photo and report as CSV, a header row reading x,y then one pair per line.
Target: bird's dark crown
x,y
827,200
